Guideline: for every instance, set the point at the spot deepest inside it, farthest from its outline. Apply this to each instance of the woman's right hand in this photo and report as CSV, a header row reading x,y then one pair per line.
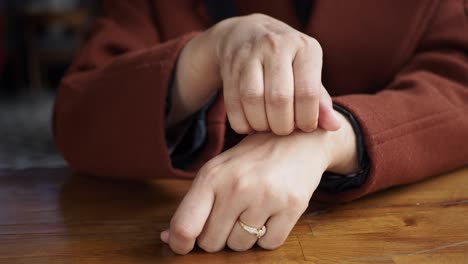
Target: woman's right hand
x,y
270,74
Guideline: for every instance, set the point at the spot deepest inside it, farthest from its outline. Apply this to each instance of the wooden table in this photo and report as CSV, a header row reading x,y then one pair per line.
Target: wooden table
x,y
51,216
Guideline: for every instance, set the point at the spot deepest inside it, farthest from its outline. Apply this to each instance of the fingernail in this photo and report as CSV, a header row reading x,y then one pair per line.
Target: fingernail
x,y
165,236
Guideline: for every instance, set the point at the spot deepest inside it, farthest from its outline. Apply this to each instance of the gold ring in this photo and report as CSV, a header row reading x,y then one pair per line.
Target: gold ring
x,y
258,232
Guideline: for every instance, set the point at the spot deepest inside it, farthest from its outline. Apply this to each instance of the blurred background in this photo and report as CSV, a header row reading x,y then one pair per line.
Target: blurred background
x,y
38,40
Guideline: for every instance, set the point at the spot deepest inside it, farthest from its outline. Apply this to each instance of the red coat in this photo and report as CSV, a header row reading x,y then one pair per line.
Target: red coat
x,y
399,66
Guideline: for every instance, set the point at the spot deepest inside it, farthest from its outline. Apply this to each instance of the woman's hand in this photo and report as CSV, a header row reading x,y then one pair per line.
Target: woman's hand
x,y
270,73
264,180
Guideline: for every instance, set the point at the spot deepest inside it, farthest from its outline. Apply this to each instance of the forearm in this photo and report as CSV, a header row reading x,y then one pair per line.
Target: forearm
x,y
196,80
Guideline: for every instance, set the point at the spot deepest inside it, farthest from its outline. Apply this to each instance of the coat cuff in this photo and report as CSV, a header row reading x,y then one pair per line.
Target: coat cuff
x,y
335,183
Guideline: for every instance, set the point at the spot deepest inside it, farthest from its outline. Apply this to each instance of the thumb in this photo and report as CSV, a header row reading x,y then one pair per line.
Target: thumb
x,y
165,236
328,119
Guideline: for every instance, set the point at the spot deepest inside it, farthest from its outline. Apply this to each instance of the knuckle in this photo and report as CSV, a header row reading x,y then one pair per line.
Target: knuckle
x,y
208,246
279,99
240,128
271,41
227,59
208,168
235,58
297,202
305,90
283,130
314,44
180,251
271,192
231,103
304,40
211,166
240,185
244,50
274,194
257,16
308,126
235,65
251,95
259,124
261,127
208,171
182,232
237,246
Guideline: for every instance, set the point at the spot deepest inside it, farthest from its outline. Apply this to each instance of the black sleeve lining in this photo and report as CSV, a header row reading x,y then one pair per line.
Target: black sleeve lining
x,y
333,182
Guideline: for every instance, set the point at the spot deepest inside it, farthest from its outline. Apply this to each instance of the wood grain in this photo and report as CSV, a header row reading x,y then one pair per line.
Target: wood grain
x,y
51,216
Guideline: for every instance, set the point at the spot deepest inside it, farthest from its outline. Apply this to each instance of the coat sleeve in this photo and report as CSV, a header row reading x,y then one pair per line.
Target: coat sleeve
x,y
110,107
418,126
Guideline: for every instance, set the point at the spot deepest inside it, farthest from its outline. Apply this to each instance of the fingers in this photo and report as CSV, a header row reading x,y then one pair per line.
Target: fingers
x,y
279,94
232,102
278,228
239,239
307,68
219,225
252,95
189,219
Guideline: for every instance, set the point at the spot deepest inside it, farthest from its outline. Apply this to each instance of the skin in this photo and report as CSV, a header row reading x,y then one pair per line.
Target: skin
x,y
271,80
265,179
270,74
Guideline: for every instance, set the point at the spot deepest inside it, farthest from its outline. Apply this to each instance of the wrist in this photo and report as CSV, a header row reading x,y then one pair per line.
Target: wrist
x,y
196,79
342,149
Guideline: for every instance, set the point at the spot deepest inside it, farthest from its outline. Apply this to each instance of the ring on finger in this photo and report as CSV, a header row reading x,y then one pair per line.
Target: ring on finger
x,y
258,232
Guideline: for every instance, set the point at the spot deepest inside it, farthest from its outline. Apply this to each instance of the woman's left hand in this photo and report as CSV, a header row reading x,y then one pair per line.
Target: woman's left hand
x,y
264,180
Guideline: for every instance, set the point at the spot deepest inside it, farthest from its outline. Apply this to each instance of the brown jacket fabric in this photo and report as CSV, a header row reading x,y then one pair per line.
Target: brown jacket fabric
x,y
401,68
